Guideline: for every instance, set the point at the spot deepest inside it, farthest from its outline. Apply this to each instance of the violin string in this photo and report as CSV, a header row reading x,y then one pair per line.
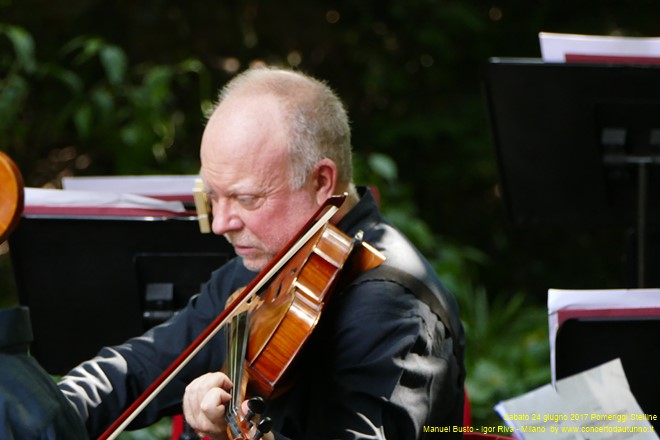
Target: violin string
x,y
237,348
231,355
230,365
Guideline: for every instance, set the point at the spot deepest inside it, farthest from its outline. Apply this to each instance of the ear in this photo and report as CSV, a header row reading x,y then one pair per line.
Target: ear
x,y
324,179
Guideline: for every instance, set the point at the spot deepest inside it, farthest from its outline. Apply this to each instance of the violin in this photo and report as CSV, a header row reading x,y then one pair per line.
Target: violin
x,y
11,196
284,316
269,321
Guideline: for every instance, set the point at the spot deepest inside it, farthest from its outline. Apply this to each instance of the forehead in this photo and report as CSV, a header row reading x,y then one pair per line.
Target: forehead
x,y
245,144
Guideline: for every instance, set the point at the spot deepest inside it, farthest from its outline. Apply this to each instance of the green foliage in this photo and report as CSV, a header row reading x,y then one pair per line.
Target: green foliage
x,y
111,117
159,431
508,350
13,85
23,46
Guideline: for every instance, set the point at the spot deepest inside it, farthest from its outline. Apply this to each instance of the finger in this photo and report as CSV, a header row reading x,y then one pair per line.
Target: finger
x,y
189,412
204,402
245,407
213,405
195,391
218,379
210,380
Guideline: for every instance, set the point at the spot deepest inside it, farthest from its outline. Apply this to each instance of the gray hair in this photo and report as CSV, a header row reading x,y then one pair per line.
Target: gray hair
x,y
317,120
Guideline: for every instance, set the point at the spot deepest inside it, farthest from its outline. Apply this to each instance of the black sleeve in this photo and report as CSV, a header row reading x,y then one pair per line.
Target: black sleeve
x,y
102,388
386,369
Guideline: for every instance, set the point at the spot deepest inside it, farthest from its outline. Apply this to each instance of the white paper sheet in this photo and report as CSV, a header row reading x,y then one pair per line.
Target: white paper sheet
x,y
595,404
561,299
555,46
612,299
105,199
164,185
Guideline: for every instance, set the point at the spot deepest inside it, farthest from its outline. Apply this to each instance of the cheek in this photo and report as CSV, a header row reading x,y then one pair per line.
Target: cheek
x,y
280,226
281,230
272,231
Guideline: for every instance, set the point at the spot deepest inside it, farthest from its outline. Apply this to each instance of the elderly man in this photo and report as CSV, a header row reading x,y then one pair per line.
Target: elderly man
x,y
387,361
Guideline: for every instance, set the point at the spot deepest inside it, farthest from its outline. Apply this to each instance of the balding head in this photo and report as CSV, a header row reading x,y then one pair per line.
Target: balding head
x,y
316,121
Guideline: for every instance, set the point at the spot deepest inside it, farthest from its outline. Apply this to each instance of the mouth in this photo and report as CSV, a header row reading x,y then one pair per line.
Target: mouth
x,y
239,249
245,250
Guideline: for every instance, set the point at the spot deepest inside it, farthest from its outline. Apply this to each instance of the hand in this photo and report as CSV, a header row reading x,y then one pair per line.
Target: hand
x,y
204,404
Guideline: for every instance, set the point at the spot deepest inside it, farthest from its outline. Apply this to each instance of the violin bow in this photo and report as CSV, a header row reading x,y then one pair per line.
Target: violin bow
x,y
317,221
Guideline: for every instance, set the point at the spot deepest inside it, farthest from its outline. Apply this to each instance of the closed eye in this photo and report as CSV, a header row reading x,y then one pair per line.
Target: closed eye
x,y
249,202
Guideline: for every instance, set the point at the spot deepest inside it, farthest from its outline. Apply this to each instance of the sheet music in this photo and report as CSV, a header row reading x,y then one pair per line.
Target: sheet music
x,y
562,299
605,299
163,185
595,404
96,199
560,48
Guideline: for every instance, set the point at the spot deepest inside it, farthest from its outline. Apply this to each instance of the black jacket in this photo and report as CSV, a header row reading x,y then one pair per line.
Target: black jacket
x,y
380,365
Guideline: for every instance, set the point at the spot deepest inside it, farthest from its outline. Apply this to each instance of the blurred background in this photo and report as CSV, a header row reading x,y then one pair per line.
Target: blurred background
x,y
101,87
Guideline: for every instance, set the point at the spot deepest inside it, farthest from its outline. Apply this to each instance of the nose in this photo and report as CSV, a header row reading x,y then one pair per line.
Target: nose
x,y
225,219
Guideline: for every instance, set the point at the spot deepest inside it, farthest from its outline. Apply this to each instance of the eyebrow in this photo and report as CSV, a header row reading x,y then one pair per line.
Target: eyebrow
x,y
237,190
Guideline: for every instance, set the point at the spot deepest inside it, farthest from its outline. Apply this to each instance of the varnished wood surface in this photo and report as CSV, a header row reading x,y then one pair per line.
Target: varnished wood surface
x,y
11,195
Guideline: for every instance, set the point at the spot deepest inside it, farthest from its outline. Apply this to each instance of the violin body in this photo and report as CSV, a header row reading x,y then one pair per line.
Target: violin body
x,y
286,315
11,195
290,309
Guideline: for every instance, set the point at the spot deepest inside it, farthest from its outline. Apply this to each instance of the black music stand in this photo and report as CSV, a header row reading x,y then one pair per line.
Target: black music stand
x,y
578,144
91,281
586,342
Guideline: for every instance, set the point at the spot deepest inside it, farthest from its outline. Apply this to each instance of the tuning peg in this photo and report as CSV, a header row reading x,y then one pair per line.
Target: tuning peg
x,y
256,405
263,427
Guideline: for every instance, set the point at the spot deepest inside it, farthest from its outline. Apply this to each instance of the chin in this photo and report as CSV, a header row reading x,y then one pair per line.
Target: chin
x,y
255,265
